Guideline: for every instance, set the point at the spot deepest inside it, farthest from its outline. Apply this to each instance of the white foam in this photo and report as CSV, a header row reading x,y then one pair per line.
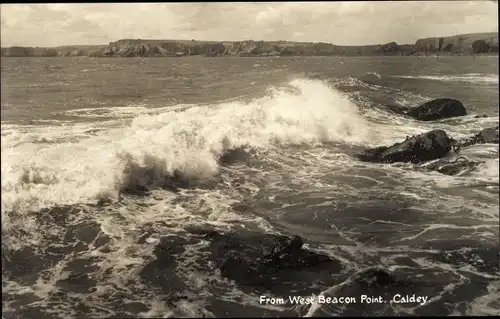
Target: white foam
x,y
467,77
488,172
375,74
487,304
122,111
157,145
14,135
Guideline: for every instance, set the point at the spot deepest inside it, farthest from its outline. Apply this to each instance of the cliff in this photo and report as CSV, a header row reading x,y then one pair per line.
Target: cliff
x,y
466,44
475,43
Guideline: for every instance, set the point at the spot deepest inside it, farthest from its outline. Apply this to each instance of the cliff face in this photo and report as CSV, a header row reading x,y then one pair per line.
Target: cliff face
x,y
456,45
465,43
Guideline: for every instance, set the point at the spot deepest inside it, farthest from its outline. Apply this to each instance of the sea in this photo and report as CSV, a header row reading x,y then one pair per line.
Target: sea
x,y
103,157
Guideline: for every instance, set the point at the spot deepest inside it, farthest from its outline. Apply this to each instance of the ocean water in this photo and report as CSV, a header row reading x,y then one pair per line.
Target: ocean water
x,y
102,157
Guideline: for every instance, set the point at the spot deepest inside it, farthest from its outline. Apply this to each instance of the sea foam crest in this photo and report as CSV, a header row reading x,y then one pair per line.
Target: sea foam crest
x,y
153,147
467,77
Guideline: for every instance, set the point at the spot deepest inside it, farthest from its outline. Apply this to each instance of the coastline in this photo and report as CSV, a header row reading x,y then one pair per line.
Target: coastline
x,y
477,44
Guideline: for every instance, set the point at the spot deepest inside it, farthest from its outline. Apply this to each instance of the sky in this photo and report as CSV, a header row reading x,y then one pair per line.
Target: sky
x,y
342,23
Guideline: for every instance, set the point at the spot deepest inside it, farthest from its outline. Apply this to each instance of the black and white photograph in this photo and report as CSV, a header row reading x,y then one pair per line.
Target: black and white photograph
x,y
250,159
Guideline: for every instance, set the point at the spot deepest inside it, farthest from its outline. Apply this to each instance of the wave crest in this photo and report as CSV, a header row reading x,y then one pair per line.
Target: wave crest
x,y
173,147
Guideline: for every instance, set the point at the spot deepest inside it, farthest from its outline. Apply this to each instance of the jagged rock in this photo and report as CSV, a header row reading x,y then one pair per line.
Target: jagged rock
x,y
480,116
438,109
420,148
487,135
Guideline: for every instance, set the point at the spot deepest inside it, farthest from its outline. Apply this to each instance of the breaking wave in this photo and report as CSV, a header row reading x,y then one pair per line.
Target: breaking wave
x,y
185,145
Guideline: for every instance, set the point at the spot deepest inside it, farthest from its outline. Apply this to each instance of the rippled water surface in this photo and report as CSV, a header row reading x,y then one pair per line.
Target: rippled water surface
x,y
102,157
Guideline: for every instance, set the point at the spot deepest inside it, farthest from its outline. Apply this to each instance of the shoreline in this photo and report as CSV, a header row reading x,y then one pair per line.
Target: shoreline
x,y
457,45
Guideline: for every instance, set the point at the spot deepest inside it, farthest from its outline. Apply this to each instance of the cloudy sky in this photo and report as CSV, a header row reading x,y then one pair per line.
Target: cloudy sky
x,y
349,23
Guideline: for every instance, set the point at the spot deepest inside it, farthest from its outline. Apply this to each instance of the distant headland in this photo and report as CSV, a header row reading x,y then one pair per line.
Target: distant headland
x,y
464,44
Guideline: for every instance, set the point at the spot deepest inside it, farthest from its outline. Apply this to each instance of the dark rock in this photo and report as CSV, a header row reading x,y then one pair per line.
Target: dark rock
x,y
254,258
266,262
480,116
438,109
455,167
372,154
420,148
487,135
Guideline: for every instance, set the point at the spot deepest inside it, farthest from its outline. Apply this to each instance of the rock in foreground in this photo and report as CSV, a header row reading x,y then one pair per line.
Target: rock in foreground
x,y
438,109
420,148
263,261
256,259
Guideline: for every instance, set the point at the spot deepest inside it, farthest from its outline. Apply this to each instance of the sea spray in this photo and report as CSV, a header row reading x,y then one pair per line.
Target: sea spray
x,y
189,142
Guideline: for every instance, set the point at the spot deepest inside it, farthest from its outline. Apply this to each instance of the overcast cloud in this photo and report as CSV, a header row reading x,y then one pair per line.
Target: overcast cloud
x,y
348,23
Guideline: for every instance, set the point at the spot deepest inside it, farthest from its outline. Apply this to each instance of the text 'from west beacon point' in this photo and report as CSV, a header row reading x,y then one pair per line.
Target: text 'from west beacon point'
x,y
322,299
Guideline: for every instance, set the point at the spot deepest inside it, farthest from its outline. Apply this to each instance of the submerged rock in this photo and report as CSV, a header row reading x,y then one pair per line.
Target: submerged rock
x,y
455,167
377,277
420,148
438,109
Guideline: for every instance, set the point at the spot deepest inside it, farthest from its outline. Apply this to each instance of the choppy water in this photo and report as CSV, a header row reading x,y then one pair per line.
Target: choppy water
x,y
89,148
